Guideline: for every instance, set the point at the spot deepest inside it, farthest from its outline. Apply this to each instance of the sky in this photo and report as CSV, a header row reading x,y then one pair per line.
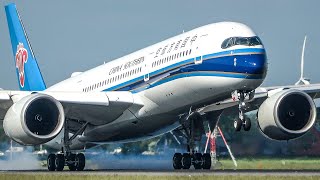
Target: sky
x,y
77,35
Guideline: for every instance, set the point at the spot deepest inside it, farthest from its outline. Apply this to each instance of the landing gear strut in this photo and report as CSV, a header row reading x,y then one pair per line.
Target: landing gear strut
x,y
193,129
242,120
56,162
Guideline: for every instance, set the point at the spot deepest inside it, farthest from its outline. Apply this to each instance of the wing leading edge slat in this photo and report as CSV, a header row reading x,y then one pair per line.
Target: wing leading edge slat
x,y
97,108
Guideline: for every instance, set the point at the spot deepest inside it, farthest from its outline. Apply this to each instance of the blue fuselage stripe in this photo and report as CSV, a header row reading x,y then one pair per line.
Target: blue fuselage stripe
x,y
247,63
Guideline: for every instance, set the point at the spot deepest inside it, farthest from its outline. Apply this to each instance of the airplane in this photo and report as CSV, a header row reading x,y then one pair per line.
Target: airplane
x,y
175,84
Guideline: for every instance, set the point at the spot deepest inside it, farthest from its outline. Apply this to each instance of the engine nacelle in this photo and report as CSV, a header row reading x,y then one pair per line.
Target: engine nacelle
x,y
35,119
287,115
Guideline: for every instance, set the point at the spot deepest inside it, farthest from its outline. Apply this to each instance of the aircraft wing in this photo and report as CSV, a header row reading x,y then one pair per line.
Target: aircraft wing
x,y
262,93
86,107
5,103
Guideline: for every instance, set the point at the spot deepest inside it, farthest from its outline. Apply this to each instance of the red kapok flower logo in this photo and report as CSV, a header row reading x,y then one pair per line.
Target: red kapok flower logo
x,y
21,59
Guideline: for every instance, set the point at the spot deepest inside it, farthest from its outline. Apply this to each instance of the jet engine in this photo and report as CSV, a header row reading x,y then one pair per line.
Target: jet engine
x,y
35,119
286,115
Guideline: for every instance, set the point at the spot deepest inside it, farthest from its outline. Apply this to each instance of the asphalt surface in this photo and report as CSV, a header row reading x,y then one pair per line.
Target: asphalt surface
x,y
173,172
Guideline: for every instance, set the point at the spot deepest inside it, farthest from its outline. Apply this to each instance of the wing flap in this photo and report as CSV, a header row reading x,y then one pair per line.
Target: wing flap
x,y
97,107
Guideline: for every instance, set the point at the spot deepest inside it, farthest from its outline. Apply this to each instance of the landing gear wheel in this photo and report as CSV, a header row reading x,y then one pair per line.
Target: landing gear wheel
x,y
206,161
237,124
80,161
72,166
247,124
193,130
186,161
51,162
59,162
176,161
197,161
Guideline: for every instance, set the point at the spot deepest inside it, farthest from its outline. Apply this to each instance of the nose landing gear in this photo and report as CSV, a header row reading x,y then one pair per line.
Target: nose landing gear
x,y
242,120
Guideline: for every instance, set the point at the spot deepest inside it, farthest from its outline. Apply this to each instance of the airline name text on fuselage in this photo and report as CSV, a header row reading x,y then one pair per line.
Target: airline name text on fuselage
x,y
175,46
127,65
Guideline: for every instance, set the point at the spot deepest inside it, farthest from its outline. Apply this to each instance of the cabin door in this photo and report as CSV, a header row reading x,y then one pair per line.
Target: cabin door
x,y
146,69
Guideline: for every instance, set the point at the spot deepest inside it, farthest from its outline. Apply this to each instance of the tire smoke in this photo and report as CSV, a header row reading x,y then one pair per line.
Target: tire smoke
x,y
22,160
105,160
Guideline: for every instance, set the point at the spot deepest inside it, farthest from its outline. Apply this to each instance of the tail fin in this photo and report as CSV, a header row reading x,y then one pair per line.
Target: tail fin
x,y
28,72
303,80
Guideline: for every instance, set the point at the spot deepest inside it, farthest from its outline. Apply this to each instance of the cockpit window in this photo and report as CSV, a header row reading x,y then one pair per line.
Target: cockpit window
x,y
244,41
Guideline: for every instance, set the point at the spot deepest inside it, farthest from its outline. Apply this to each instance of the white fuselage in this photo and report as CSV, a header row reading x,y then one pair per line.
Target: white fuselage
x,y
188,70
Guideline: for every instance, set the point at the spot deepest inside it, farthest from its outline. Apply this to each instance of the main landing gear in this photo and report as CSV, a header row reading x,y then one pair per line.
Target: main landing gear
x,y
242,120
75,162
193,130
185,160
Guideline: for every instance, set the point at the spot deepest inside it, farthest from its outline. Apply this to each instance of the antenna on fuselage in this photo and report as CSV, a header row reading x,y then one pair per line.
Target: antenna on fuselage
x,y
303,80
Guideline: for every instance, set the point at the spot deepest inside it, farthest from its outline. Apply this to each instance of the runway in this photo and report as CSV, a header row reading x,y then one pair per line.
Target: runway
x,y
123,172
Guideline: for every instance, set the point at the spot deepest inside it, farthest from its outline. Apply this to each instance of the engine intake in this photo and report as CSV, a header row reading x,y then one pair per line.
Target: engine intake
x,y
287,115
35,119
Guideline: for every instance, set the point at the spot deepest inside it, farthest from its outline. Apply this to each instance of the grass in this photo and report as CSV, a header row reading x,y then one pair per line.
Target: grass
x,y
119,177
264,163
302,163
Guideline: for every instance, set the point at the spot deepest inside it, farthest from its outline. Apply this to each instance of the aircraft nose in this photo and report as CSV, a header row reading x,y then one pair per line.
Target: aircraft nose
x,y
252,63
256,63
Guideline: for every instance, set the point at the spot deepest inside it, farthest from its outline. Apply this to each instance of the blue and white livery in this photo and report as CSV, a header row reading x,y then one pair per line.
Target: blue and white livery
x,y
172,86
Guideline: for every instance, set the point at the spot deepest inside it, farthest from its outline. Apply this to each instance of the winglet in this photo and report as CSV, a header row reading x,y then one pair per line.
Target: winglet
x,y
303,80
28,72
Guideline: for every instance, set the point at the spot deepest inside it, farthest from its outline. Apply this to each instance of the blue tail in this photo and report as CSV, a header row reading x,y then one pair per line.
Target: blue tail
x,y
28,72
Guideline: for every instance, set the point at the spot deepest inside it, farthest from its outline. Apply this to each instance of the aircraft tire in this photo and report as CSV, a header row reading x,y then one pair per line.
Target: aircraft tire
x,y
197,161
59,162
206,161
186,161
80,161
72,166
247,124
237,124
176,161
51,162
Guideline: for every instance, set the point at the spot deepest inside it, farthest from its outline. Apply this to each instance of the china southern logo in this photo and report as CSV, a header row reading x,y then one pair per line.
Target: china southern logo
x,y
21,59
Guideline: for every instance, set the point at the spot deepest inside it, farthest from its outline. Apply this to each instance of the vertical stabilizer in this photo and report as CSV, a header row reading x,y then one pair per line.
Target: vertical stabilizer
x,y
28,72
303,80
